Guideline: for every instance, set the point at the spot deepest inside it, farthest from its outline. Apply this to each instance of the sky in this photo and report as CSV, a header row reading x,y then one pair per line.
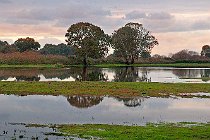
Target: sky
x,y
177,24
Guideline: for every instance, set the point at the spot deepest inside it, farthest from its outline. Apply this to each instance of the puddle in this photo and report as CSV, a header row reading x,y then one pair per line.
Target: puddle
x,y
16,111
20,131
196,94
106,110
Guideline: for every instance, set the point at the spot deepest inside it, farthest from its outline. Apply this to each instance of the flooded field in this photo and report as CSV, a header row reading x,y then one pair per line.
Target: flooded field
x,y
16,131
105,110
120,74
18,111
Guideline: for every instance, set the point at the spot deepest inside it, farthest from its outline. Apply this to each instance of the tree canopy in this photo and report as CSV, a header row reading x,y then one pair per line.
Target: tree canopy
x,y
5,47
25,44
3,43
131,41
205,50
60,49
88,40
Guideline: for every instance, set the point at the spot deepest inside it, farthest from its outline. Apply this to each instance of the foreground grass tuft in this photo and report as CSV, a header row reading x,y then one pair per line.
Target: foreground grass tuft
x,y
177,65
149,132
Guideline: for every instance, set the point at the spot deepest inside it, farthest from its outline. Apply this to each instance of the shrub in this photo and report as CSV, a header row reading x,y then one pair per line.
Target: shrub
x,y
31,57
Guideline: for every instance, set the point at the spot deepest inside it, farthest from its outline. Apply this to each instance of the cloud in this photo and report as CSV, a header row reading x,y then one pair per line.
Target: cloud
x,y
175,41
201,24
168,22
5,1
36,15
135,15
51,18
154,21
51,40
30,30
153,16
160,16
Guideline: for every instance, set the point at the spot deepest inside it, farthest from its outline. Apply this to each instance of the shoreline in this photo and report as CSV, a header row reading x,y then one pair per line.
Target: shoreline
x,y
174,65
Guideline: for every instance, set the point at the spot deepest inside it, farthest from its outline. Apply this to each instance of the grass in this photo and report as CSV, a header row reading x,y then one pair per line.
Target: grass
x,y
177,65
162,131
101,88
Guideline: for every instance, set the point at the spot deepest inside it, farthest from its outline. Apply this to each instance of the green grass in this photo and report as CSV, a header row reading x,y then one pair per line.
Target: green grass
x,y
179,131
178,65
101,88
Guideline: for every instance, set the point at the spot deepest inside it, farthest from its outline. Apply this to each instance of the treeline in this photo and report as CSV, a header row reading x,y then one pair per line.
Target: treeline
x,y
88,44
27,51
29,44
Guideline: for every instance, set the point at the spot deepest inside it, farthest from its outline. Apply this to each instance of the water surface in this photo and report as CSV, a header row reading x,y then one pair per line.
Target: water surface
x,y
118,74
97,110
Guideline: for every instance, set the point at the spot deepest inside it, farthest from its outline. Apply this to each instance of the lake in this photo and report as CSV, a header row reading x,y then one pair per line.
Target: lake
x,y
118,74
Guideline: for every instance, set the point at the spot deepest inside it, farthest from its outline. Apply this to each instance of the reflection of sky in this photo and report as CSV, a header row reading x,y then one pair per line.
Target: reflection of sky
x,y
56,109
14,131
110,73
42,78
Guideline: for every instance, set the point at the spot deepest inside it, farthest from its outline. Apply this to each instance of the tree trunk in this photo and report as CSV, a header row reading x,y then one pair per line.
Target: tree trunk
x,y
85,61
132,60
127,62
84,74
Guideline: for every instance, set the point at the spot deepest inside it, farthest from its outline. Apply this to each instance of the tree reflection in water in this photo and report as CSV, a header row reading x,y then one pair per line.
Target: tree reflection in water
x,y
130,74
120,74
132,102
186,73
84,101
57,73
205,73
88,74
25,78
80,101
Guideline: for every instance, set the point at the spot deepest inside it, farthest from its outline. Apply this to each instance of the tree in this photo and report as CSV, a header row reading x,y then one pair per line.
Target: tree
x,y
3,43
131,41
87,40
60,49
184,55
25,44
205,51
145,54
5,47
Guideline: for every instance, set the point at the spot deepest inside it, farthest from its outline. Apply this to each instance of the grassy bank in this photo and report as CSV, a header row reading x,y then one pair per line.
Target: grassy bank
x,y
101,88
186,131
177,65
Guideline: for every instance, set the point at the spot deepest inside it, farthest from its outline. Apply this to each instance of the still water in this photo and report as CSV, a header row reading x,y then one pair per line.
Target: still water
x,y
122,74
17,111
97,110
